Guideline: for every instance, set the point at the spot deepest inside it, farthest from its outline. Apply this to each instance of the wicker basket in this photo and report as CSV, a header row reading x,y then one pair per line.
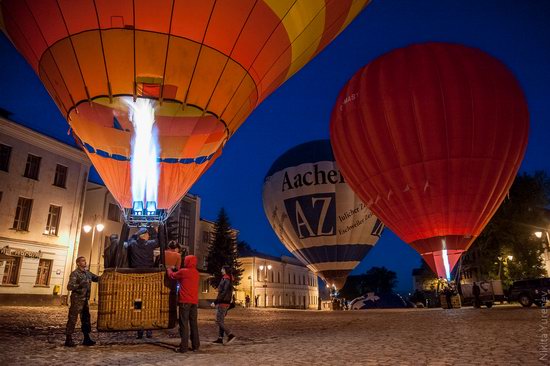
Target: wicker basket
x,y
455,301
133,299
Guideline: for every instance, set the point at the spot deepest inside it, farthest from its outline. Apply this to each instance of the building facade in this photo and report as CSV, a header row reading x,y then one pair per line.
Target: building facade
x,y
42,195
282,282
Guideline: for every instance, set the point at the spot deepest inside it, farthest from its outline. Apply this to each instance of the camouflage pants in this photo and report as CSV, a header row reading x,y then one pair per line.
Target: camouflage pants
x,y
79,307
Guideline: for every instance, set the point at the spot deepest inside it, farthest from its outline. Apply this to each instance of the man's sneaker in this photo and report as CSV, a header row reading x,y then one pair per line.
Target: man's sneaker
x,y
218,341
230,339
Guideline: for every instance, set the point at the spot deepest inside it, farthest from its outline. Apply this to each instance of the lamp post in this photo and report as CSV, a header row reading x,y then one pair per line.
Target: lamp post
x,y
545,246
264,268
95,226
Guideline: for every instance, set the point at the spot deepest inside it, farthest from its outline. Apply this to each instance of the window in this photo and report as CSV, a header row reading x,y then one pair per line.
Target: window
x,y
60,179
289,278
258,276
303,280
272,274
279,277
43,273
33,166
205,237
204,286
52,226
294,276
22,214
5,154
184,223
1,194
114,213
11,271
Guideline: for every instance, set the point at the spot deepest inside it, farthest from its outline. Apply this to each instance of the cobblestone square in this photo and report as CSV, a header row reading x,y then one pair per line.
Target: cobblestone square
x,y
503,335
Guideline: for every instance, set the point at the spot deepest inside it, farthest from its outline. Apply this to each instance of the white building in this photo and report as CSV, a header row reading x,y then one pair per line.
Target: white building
x,y
42,194
277,282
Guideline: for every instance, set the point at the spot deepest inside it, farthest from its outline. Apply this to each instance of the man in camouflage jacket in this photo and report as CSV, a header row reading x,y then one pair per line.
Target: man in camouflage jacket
x,y
79,284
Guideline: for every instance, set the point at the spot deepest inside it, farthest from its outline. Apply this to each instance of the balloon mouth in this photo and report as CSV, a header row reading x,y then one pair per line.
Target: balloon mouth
x,y
335,280
185,144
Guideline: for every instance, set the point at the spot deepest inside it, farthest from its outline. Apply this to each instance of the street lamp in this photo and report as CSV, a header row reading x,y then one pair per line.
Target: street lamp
x,y
96,226
264,269
506,259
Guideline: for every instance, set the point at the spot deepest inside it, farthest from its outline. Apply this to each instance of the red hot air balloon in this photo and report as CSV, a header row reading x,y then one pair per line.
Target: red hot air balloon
x,y
431,137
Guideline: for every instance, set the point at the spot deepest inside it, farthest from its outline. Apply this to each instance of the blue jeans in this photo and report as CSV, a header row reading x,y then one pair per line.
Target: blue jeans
x,y
221,312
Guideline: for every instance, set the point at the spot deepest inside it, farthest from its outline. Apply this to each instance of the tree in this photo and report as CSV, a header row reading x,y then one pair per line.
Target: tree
x,y
377,279
507,248
380,280
222,251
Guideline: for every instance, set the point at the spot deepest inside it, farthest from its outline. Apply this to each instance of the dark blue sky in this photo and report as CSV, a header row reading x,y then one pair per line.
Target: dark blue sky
x,y
516,32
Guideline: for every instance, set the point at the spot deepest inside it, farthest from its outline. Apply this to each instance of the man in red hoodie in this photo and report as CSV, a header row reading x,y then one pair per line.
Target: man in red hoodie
x,y
188,278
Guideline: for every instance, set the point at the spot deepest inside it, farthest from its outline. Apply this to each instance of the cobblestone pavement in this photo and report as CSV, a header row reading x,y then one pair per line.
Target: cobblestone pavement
x,y
503,335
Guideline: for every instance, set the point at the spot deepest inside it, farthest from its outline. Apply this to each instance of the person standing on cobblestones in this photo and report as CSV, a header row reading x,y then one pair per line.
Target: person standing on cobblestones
x,y
222,303
79,285
188,300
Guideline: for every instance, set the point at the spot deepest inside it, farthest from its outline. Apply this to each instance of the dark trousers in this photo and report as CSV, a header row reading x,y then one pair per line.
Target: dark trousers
x,y
78,307
221,312
188,322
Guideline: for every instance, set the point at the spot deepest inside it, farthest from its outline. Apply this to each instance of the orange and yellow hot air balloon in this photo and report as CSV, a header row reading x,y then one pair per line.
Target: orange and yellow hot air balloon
x,y
204,66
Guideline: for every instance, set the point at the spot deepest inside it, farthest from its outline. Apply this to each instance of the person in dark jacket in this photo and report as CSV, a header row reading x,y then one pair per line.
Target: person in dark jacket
x,y
141,250
141,255
79,284
110,252
188,300
222,302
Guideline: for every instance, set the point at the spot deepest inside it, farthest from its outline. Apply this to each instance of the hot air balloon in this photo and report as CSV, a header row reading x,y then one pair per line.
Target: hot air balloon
x,y
203,66
315,213
431,137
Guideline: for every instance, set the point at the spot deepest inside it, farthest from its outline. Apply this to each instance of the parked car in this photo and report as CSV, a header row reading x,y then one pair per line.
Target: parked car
x,y
528,292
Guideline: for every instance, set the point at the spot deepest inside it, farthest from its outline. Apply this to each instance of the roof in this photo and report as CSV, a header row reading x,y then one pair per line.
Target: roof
x,y
243,253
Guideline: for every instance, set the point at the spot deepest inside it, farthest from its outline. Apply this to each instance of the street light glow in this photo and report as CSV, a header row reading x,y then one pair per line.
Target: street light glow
x,y
100,227
510,257
538,234
269,267
86,228
262,267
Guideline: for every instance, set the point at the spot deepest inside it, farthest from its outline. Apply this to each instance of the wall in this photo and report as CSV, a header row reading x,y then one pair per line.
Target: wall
x,y
61,247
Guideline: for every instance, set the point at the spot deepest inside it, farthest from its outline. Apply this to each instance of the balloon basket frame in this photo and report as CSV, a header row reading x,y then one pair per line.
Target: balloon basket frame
x,y
137,220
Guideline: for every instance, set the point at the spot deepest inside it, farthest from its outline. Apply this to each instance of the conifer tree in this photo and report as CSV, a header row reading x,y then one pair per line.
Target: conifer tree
x,y
223,251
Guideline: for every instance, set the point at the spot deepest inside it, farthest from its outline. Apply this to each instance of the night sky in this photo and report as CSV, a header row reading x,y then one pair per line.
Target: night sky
x,y
516,32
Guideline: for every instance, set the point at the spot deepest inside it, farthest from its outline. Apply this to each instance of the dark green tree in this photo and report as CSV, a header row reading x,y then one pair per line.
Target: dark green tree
x,y
379,279
507,248
222,251
376,279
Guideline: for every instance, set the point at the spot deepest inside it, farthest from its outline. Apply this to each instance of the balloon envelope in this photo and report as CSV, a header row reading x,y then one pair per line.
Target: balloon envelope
x,y
206,63
431,137
316,215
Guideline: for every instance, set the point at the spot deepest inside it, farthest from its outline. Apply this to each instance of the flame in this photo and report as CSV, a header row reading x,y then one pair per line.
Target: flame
x,y
145,150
